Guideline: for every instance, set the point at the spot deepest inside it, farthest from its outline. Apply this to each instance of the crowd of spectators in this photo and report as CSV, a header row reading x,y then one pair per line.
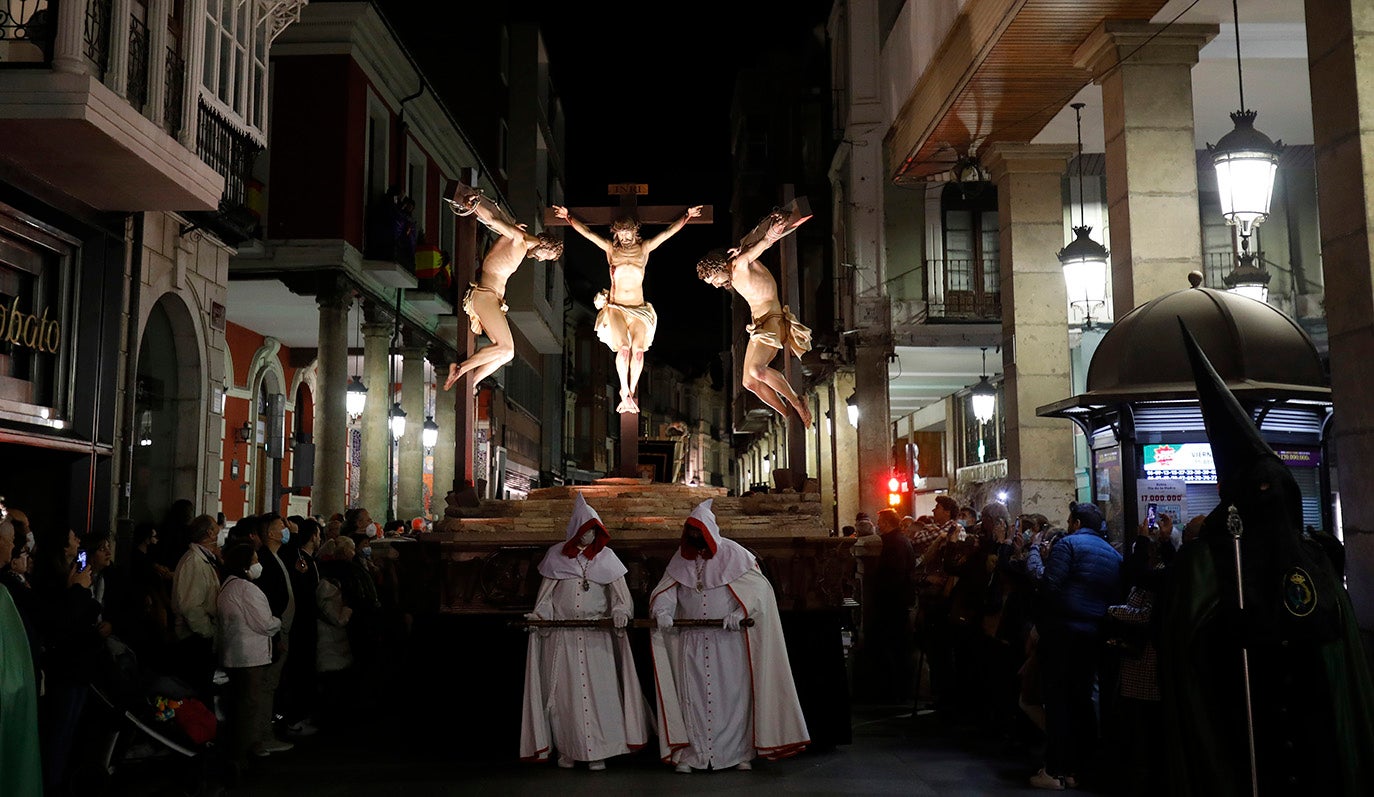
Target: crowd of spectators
x,y
1036,636
255,631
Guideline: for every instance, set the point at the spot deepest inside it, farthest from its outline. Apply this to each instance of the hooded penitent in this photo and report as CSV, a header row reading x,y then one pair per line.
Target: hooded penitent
x,y
748,667
569,559
582,692
725,559
1310,689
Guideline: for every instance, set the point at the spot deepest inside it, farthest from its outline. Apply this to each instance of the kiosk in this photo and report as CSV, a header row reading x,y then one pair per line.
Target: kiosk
x,y
1146,438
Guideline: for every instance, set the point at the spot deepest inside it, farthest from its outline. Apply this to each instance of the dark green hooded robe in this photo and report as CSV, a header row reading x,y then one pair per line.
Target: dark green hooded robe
x,y
1310,686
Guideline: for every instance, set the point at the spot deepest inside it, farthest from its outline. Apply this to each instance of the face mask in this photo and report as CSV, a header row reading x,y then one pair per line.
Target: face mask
x,y
365,553
255,570
1176,537
285,535
586,538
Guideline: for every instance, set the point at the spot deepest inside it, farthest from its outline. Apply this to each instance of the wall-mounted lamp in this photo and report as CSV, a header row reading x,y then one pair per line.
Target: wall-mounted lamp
x,y
852,408
244,433
430,435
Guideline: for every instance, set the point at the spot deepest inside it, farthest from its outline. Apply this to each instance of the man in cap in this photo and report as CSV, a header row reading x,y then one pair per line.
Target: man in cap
x,y
725,694
582,693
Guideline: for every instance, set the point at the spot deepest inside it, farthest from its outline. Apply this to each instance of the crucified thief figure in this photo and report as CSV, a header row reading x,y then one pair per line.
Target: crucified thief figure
x,y
625,322
774,327
485,300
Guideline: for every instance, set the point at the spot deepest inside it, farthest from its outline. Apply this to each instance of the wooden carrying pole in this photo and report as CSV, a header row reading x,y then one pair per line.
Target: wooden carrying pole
x,y
606,622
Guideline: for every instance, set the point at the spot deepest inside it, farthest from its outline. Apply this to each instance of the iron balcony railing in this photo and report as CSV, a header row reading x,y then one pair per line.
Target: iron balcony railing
x,y
138,64
229,152
97,35
1282,280
26,32
173,99
951,290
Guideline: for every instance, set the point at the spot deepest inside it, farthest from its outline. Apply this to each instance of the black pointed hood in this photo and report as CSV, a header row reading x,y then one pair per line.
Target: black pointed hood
x,y
1236,443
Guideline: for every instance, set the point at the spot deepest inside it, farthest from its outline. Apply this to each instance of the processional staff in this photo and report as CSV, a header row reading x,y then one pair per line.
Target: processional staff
x,y
1236,527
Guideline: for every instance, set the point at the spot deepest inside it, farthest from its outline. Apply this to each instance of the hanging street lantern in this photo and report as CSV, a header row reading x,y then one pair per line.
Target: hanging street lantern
x,y
430,435
398,421
356,398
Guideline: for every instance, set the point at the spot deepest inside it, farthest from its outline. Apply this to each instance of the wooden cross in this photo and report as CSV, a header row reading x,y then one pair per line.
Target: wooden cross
x,y
629,194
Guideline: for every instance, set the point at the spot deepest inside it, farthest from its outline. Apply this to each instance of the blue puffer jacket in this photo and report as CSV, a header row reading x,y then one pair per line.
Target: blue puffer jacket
x,y
1082,578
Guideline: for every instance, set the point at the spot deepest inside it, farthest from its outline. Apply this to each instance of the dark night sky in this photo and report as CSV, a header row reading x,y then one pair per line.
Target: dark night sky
x,y
646,90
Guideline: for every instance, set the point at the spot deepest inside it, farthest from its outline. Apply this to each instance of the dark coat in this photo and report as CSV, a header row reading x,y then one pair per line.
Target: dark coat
x,y
1082,578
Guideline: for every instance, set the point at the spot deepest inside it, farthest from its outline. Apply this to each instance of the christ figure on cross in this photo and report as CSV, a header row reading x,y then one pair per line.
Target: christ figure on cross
x,y
624,321
485,301
774,328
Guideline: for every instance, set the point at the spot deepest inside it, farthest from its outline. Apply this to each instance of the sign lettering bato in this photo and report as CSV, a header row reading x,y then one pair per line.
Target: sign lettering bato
x,y
30,331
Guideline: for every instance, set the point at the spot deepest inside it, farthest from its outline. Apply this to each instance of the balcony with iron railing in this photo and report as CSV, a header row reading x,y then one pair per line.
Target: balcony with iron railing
x,y
1298,295
955,291
87,108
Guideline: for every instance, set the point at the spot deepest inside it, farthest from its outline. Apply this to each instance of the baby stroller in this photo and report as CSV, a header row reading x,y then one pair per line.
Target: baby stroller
x,y
150,728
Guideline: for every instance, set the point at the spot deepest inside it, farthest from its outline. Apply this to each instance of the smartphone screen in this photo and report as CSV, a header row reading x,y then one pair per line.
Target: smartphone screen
x,y
1151,516
80,560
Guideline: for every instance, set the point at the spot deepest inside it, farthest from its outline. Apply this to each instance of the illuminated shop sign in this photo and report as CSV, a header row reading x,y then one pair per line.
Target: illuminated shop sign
x,y
1197,458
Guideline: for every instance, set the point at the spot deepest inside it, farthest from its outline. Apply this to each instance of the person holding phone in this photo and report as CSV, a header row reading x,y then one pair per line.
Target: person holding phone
x,y
71,647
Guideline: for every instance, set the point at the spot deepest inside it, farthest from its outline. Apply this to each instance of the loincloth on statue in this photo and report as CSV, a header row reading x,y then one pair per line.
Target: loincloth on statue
x,y
643,313
781,330
475,323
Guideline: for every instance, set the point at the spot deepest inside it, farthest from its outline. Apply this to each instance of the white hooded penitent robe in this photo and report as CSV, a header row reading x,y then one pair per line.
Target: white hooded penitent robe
x,y
582,693
724,696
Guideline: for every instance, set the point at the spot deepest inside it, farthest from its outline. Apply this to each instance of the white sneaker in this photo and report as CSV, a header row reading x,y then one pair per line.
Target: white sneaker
x,y
1043,780
744,766
596,766
564,761
683,769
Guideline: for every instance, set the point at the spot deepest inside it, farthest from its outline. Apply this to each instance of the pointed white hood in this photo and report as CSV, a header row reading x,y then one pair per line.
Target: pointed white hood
x,y
567,559
726,560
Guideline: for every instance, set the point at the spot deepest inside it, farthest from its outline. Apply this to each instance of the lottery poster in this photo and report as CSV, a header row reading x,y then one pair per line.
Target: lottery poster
x,y
1170,496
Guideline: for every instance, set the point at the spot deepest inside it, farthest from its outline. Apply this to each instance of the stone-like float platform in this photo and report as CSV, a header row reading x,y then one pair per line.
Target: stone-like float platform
x,y
636,509
484,559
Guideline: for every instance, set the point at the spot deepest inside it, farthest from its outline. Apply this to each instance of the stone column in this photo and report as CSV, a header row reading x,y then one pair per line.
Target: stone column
x,y
410,454
1035,357
875,428
374,491
69,40
1147,117
331,409
1339,35
444,448
846,452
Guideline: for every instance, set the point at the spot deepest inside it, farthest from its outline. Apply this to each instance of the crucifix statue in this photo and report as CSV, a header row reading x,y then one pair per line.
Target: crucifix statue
x,y
625,322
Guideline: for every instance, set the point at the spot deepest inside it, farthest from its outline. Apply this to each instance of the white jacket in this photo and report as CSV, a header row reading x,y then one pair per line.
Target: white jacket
x,y
246,625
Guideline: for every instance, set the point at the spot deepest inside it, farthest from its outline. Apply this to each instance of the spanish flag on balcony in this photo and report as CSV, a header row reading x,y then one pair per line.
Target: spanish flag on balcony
x,y
257,198
429,260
